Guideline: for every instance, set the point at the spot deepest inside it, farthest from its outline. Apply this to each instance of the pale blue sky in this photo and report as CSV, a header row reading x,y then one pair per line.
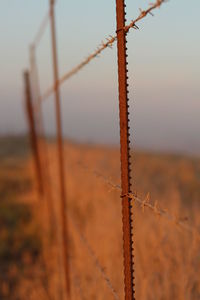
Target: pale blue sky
x,y
164,69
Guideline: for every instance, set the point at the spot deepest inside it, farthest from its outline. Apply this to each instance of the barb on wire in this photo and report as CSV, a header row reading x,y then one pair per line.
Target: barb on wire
x,y
95,259
145,203
66,76
143,14
103,45
164,213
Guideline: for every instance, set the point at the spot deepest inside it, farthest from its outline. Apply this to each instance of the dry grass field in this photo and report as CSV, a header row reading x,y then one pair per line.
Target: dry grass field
x,y
167,259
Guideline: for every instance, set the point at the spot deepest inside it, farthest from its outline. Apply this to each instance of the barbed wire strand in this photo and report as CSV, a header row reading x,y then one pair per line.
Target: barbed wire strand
x,y
146,203
83,239
94,258
76,280
42,28
92,254
103,45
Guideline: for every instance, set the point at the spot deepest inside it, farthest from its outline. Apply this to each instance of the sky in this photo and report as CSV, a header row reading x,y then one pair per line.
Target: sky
x,y
163,64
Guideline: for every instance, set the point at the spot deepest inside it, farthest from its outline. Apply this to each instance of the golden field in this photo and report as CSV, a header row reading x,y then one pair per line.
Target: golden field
x,y
167,258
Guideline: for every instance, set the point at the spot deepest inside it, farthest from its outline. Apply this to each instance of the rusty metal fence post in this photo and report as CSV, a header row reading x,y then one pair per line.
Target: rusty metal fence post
x,y
125,152
32,130
60,145
42,144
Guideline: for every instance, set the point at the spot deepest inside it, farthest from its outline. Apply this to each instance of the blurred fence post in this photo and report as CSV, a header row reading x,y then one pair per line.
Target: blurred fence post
x,y
125,152
63,206
42,144
32,131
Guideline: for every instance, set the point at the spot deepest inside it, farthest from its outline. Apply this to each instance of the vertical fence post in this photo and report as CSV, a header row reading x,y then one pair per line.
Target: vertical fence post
x,y
32,130
125,152
36,95
60,151
44,156
43,151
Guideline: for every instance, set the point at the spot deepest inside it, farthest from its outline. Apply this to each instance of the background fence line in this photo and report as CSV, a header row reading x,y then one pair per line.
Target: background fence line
x,y
102,46
60,152
127,196
40,178
45,162
32,132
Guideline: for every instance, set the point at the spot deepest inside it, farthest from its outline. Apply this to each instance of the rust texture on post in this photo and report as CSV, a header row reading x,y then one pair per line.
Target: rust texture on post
x,y
60,145
32,130
125,152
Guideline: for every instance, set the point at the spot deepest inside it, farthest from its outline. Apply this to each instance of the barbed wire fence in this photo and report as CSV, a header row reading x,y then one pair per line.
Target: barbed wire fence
x,y
39,145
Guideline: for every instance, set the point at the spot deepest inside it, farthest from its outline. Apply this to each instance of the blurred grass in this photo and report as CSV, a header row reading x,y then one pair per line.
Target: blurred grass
x,y
20,243
173,180
13,146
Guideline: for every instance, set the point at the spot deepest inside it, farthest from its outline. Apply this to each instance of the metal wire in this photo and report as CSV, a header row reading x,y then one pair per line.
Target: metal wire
x,y
76,280
103,45
145,203
42,28
94,258
90,250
